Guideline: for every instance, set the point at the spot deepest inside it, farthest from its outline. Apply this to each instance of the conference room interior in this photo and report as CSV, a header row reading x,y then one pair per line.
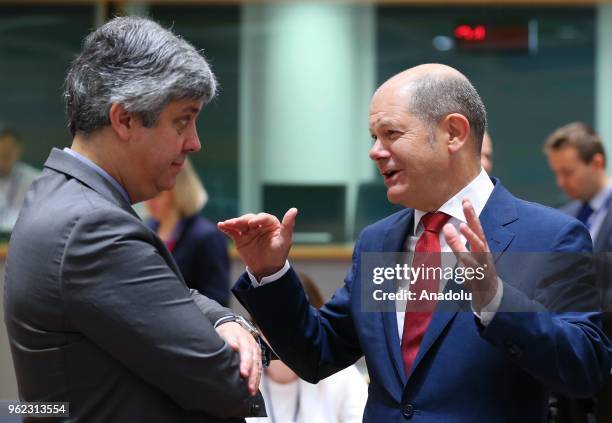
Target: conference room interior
x,y
289,127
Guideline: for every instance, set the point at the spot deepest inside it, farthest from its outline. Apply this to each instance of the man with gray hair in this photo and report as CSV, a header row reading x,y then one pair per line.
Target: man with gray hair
x,y
97,312
459,360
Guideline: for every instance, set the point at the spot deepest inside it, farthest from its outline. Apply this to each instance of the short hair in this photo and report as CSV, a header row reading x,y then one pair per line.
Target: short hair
x,y
190,197
579,136
137,63
435,96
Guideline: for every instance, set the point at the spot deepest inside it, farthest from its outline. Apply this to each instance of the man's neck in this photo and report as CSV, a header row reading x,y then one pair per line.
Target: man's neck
x,y
456,184
89,147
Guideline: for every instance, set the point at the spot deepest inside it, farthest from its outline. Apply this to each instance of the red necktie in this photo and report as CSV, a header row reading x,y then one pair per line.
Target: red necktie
x,y
416,322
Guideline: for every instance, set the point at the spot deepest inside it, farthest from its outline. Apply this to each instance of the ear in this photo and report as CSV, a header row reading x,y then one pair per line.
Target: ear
x,y
598,161
121,121
456,130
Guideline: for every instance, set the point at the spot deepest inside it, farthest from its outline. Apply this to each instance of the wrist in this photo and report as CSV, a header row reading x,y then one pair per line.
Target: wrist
x,y
264,272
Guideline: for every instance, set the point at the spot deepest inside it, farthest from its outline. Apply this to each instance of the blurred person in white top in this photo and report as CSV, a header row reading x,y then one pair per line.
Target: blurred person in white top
x,y
339,398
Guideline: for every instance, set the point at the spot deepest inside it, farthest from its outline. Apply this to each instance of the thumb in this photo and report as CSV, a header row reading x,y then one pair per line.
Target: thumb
x,y
288,223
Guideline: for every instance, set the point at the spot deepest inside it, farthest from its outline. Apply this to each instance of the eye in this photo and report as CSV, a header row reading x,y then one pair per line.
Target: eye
x,y
392,133
374,137
182,123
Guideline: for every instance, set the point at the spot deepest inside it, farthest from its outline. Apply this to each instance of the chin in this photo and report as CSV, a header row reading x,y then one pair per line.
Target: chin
x,y
394,196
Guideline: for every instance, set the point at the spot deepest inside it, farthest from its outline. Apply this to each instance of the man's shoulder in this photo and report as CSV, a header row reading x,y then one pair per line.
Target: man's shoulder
x,y
542,214
56,205
537,227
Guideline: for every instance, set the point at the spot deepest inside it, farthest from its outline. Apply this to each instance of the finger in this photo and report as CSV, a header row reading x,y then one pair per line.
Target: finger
x,y
289,223
257,380
255,370
472,219
240,224
453,240
246,359
232,233
476,243
263,220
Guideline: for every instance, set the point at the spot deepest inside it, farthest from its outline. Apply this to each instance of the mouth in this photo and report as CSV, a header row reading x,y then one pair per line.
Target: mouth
x,y
177,165
390,175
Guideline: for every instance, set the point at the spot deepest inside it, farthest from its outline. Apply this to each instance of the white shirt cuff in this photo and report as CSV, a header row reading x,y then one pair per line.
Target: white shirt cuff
x,y
267,279
488,312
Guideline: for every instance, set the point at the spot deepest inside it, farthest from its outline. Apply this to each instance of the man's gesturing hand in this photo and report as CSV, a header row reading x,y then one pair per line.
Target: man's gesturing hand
x,y
483,290
261,240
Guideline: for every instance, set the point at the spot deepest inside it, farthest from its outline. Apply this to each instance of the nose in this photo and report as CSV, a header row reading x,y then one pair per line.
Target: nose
x,y
561,182
378,151
192,144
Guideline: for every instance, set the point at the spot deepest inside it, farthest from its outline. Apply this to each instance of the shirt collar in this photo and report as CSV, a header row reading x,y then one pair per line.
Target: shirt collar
x,y
600,199
101,172
477,191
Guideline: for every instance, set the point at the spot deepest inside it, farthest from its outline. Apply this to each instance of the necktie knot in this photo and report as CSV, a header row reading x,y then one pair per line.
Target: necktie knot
x,y
433,222
585,212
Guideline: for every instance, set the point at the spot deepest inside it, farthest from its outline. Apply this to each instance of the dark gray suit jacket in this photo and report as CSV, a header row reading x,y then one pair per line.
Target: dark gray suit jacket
x,y
99,316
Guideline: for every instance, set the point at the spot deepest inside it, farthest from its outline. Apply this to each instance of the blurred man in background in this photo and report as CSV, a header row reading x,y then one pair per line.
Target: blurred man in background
x,y
577,157
15,178
486,153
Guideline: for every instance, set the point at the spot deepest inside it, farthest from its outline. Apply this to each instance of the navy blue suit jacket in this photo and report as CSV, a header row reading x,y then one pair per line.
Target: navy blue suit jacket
x,y
463,372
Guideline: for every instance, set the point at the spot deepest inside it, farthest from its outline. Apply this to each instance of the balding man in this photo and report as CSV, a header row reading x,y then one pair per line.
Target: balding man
x,y
485,364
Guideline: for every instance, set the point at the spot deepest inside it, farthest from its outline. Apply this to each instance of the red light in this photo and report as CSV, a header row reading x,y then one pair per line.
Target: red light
x,y
464,32
480,32
467,33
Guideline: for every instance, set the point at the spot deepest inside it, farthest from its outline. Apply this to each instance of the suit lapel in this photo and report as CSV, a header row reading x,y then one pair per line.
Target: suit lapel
x,y
499,211
395,241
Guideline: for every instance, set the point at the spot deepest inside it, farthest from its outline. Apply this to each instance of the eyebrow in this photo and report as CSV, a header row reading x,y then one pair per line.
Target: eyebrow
x,y
383,123
191,109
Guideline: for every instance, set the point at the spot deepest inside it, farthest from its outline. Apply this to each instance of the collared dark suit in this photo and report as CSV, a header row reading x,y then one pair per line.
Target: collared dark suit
x,y
463,372
575,411
99,316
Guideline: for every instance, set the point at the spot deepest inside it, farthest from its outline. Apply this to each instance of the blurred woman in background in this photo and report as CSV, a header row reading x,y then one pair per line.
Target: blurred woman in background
x,y
198,247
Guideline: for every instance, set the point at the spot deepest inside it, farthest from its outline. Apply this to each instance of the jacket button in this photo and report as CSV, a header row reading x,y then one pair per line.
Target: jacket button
x,y
408,411
514,350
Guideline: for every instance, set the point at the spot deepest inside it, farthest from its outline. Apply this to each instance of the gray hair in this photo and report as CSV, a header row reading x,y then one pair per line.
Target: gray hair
x,y
436,96
138,64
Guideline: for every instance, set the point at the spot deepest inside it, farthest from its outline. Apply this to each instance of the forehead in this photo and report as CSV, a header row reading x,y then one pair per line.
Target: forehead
x,y
183,106
389,108
566,155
